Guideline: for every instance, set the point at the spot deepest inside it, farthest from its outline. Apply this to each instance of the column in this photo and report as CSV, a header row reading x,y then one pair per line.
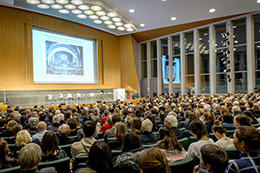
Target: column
x,y
231,84
159,67
212,59
183,63
148,67
170,65
196,61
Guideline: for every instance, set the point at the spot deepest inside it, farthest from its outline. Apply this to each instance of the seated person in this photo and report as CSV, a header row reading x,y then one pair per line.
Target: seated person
x,y
213,159
220,133
41,127
73,123
120,131
5,160
147,137
110,133
242,120
63,133
227,122
55,123
23,137
247,141
136,125
172,122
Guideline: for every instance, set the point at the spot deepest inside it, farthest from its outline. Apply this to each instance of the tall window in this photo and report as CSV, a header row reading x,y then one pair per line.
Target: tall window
x,y
221,76
153,59
257,50
189,58
176,62
204,60
164,54
240,61
144,60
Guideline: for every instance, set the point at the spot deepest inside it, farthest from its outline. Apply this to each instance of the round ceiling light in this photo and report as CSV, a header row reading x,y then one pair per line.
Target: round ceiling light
x,y
88,12
112,14
48,1
131,10
96,8
212,10
93,17
142,25
108,22
64,11
62,1
43,6
97,21
76,11
173,18
104,18
118,23
77,2
33,2
56,6
129,29
111,26
82,16
116,19
70,6
120,28
100,13
128,25
83,7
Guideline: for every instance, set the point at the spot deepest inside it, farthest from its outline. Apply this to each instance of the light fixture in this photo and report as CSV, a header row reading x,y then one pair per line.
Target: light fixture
x,y
88,12
95,8
200,39
212,10
48,1
82,16
62,1
236,41
108,22
258,1
118,23
112,14
104,18
83,7
142,25
70,6
76,11
56,6
116,19
93,17
77,2
64,11
131,10
173,18
43,6
164,0
128,25
120,28
111,26
97,21
101,13
129,29
33,2
234,26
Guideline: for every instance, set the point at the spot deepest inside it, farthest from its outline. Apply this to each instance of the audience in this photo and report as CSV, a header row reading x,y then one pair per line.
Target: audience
x,y
220,133
120,131
63,133
5,160
41,127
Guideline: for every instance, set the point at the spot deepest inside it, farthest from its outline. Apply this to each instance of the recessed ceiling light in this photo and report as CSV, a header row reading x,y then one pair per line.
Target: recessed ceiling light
x,y
200,38
82,16
118,23
76,11
116,19
164,0
96,8
33,2
83,7
104,17
101,13
112,14
128,25
234,26
56,6
142,25
43,6
212,10
48,1
88,12
108,22
236,41
70,6
258,1
111,26
97,21
77,2
64,11
62,1
173,18
93,17
131,10
129,29
120,28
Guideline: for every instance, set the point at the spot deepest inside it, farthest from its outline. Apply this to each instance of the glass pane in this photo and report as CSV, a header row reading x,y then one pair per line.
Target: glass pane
x,y
204,50
204,84
153,50
176,45
241,82
220,28
221,83
154,68
189,64
164,46
189,84
176,62
257,27
240,62
220,67
257,56
144,69
239,27
144,51
189,48
257,79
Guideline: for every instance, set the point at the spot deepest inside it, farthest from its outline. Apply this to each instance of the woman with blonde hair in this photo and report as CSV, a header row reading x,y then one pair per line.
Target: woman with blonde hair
x,y
23,137
120,131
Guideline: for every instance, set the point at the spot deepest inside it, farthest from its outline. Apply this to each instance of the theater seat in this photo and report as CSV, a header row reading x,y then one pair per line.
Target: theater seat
x,y
67,149
185,142
61,165
183,166
10,170
232,153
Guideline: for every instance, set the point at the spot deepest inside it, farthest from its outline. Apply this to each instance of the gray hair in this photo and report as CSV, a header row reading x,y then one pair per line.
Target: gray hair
x,y
64,130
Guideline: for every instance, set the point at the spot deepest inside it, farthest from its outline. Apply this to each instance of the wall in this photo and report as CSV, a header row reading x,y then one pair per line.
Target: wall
x,y
16,67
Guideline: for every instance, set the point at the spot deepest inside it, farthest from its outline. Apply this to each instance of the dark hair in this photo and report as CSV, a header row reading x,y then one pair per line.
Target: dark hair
x,y
72,122
89,128
4,159
243,119
131,141
136,125
50,143
100,157
250,136
168,139
215,156
219,128
2,122
198,127
227,118
115,118
252,116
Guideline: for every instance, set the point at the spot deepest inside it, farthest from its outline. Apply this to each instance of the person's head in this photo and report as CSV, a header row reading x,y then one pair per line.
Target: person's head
x,y
198,129
147,126
41,126
29,156
131,142
99,150
64,130
136,125
72,122
208,117
11,124
50,143
115,118
128,120
120,130
236,109
242,120
213,158
3,152
246,139
56,119
224,110
219,130
171,121
23,137
89,128
87,170
153,160
227,119
168,139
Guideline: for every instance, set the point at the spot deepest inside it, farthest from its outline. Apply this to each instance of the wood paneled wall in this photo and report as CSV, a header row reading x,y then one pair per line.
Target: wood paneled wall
x,y
16,61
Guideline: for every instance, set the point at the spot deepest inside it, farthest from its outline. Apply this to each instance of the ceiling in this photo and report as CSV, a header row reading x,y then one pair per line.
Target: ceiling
x,y
153,13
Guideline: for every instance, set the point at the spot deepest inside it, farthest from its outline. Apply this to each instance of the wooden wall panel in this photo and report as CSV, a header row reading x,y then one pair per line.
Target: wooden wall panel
x,y
128,67
16,67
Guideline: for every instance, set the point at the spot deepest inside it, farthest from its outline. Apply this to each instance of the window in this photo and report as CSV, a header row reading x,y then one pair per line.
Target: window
x,y
144,59
153,59
257,50
189,58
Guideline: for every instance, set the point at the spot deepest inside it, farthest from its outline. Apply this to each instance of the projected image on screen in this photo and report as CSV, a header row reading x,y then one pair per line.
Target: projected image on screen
x,y
175,70
64,59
